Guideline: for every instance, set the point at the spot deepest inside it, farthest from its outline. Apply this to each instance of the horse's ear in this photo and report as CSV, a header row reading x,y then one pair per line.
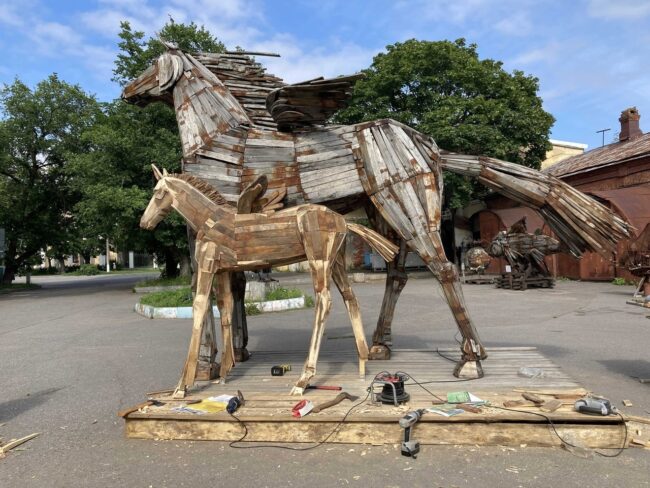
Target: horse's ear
x,y
170,69
165,173
156,172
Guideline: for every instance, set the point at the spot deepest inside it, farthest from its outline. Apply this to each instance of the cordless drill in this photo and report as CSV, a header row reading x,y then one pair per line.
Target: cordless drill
x,y
410,448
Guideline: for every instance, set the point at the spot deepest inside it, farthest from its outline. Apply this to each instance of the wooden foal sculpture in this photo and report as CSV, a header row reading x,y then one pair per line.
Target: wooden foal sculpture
x,y
228,241
237,123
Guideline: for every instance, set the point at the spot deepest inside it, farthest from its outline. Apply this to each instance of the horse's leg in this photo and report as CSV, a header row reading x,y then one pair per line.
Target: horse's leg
x,y
322,238
199,310
239,325
396,278
402,176
225,304
352,304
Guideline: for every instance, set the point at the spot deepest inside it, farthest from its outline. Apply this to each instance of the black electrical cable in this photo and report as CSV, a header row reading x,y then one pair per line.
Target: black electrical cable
x,y
320,443
550,422
446,357
546,417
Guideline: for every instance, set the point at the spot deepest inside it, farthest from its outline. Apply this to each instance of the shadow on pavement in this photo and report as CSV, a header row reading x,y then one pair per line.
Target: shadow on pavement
x,y
12,408
628,367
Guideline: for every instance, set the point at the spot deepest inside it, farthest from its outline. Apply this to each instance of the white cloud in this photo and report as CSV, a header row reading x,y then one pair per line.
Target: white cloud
x,y
517,24
620,9
9,15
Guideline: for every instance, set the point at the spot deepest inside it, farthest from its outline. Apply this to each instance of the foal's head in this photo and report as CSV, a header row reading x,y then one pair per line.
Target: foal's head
x,y
160,204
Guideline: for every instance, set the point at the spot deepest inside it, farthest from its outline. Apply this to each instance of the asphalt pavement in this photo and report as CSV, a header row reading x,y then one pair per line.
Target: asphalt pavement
x,y
73,353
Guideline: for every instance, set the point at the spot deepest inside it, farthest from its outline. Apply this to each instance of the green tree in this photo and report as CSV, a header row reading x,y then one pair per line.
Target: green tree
x,y
466,104
116,178
40,130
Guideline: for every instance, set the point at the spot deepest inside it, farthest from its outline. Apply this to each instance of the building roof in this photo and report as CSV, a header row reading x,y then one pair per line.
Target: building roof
x,y
572,145
632,203
615,153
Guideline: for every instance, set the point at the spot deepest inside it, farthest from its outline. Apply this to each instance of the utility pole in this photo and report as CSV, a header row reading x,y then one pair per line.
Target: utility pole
x,y
108,256
603,132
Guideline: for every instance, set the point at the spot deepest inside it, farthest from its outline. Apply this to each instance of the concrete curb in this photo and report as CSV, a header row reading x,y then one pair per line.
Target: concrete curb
x,y
186,312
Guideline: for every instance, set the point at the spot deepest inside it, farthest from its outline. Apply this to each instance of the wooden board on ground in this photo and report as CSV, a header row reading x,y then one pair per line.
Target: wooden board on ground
x,y
267,411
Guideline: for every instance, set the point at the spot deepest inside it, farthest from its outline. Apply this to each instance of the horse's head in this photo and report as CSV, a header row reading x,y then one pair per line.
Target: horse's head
x,y
496,248
160,204
157,81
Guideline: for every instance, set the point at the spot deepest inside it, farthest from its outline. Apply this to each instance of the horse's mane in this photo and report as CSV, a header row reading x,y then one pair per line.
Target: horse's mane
x,y
203,186
247,80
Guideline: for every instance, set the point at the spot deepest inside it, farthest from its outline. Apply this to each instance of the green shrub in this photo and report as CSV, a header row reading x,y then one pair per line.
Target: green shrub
x,y
252,309
282,294
172,298
622,282
86,270
309,301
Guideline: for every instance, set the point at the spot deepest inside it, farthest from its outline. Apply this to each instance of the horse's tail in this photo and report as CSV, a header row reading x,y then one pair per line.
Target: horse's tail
x,y
379,243
579,221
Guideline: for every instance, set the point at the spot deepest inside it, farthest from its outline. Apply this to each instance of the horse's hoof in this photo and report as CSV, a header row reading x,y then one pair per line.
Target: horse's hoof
x,y
379,352
297,391
470,370
179,394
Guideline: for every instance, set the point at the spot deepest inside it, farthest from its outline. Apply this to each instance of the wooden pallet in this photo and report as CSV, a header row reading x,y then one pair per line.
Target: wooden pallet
x,y
479,280
267,412
512,281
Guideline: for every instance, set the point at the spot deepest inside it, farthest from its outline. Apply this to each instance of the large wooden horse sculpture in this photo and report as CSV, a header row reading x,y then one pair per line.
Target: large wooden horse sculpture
x,y
237,123
228,241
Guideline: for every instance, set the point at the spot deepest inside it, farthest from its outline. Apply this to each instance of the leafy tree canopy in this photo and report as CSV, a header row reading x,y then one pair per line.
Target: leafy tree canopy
x,y
39,130
466,104
116,178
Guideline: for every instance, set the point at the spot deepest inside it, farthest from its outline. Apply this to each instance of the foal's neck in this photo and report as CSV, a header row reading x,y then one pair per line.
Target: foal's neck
x,y
195,207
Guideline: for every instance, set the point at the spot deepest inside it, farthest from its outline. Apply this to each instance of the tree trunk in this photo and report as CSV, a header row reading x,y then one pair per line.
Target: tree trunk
x,y
186,268
11,267
171,270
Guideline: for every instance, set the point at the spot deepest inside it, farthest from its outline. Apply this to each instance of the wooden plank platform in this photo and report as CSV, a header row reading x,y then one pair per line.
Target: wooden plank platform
x,y
267,412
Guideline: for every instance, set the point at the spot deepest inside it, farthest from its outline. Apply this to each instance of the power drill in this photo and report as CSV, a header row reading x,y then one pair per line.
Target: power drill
x,y
410,448
235,402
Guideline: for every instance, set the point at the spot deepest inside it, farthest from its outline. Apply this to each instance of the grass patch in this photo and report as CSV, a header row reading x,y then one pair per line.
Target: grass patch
x,y
183,298
252,309
18,287
282,294
179,280
622,282
171,298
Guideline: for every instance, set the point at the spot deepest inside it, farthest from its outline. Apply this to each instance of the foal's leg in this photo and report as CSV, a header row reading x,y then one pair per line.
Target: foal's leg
x,y
352,304
225,304
199,310
322,234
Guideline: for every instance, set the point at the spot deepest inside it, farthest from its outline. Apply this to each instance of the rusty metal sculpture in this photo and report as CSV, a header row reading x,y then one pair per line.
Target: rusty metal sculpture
x,y
229,241
236,123
524,253
637,261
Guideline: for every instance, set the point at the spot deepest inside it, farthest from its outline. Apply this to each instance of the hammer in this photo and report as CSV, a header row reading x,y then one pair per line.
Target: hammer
x,y
338,399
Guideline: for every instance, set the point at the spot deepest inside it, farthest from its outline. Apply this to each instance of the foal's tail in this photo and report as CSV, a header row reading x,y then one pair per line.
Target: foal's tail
x,y
379,243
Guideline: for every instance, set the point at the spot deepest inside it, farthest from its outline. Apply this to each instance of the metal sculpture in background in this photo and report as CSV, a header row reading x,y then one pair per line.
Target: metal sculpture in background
x,y
524,253
228,241
637,261
237,123
477,260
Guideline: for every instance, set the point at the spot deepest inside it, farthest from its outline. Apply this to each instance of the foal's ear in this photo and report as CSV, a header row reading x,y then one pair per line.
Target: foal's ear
x,y
156,172
165,173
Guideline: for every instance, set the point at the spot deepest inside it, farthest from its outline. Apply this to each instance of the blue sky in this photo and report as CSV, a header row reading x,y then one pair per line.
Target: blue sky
x,y
591,56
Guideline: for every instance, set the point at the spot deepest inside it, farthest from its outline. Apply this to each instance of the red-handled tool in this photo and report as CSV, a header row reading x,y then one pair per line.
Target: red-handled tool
x,y
324,387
